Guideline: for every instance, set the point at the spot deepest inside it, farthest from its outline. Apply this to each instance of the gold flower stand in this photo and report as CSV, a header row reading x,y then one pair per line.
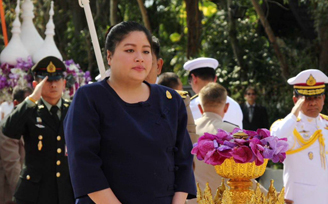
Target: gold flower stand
x,y
240,191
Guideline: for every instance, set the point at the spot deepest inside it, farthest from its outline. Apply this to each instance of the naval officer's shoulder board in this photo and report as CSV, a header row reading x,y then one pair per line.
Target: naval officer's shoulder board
x,y
194,96
183,94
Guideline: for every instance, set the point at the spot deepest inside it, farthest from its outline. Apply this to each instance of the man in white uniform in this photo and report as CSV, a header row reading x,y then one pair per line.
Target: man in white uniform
x,y
202,72
305,167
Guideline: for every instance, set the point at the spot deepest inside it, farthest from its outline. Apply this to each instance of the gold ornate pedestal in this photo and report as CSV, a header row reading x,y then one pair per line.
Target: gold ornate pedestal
x,y
240,191
239,178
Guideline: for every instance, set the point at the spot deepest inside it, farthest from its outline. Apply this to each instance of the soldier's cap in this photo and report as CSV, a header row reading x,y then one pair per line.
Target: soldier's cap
x,y
49,66
309,82
201,62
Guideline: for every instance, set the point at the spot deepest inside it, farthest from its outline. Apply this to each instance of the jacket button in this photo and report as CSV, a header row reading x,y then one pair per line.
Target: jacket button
x,y
40,137
58,162
58,138
28,177
58,174
59,150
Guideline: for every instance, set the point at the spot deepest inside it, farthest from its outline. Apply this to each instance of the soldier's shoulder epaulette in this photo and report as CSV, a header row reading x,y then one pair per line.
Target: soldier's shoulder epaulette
x,y
67,100
230,123
183,94
275,122
324,116
194,96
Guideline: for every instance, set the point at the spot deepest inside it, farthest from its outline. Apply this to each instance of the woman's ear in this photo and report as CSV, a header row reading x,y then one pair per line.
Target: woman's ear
x,y
109,57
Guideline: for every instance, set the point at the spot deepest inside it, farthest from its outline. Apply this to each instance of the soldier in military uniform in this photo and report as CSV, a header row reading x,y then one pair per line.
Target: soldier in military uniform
x,y
305,168
201,72
45,177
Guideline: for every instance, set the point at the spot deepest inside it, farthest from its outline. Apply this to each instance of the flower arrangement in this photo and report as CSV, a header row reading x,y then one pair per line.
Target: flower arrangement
x,y
11,76
75,78
19,75
242,145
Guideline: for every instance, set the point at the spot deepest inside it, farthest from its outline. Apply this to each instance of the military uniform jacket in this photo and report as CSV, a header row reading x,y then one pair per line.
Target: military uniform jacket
x,y
191,127
305,169
234,114
45,178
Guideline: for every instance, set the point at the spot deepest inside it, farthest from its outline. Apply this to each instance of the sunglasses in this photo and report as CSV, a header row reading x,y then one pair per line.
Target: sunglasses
x,y
251,94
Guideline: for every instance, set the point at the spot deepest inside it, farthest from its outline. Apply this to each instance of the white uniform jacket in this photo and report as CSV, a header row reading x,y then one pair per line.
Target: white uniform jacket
x,y
305,168
234,114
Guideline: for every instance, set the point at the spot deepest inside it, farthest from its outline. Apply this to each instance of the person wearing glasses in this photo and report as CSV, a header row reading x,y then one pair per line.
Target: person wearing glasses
x,y
306,129
201,72
254,115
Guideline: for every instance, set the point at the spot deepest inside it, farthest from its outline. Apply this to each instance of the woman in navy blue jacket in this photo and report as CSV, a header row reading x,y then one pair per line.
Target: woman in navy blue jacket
x,y
126,139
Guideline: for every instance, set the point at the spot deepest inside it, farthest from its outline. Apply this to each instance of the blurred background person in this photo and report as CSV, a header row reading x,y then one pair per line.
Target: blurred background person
x,y
156,69
255,115
171,80
157,62
5,108
201,72
12,154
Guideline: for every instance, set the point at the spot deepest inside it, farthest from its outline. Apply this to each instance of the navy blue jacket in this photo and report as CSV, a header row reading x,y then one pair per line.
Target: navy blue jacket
x,y
141,151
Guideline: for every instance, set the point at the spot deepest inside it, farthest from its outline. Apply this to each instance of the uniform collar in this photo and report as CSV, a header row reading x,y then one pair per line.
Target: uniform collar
x,y
212,115
48,105
248,105
308,119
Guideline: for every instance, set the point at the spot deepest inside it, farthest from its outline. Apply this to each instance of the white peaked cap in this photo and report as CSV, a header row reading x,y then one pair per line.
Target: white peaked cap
x,y
304,76
201,62
309,82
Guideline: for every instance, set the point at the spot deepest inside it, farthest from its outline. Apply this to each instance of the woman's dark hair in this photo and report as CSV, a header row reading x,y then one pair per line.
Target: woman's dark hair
x,y
118,32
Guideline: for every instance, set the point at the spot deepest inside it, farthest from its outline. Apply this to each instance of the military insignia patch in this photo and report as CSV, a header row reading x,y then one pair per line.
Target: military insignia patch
x,y
311,81
38,120
310,154
168,95
41,106
51,68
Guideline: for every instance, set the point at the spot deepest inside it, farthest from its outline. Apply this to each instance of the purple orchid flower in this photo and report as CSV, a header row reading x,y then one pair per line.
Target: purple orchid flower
x,y
205,144
242,154
215,149
275,148
257,149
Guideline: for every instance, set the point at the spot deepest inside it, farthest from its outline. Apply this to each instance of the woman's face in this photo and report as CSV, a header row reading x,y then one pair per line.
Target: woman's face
x,y
132,58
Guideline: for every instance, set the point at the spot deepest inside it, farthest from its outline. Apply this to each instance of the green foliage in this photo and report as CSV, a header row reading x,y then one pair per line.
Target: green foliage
x,y
168,23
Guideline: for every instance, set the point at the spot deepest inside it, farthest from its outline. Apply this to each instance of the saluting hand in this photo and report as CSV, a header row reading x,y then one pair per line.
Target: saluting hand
x,y
36,95
298,105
